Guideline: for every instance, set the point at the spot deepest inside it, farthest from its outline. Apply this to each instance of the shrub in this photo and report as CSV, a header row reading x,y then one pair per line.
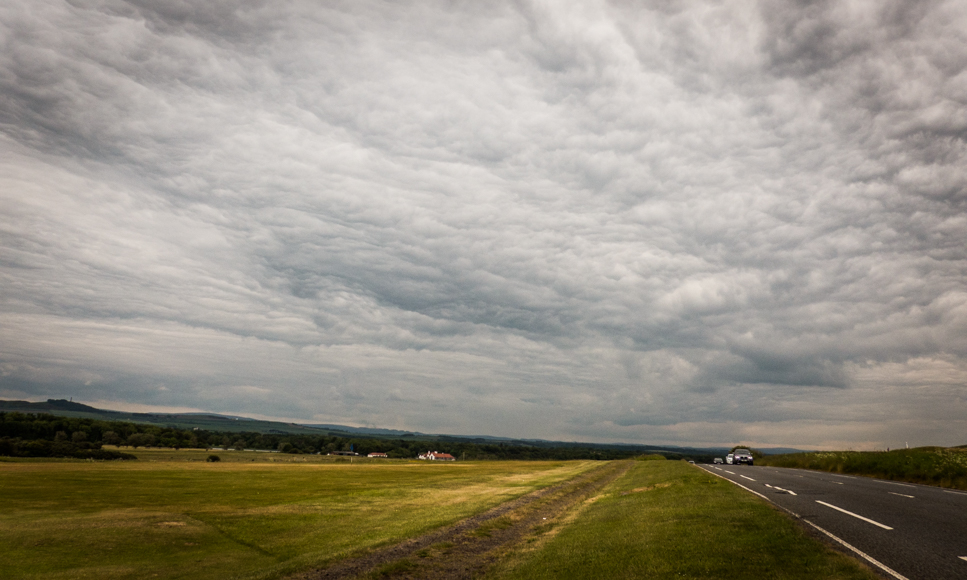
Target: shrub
x,y
213,458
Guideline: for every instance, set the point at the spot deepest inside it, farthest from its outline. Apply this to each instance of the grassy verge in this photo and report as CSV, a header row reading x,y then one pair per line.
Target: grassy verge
x,y
944,467
173,515
667,519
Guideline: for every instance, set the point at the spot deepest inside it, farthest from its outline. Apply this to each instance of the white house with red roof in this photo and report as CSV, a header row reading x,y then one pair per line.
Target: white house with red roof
x,y
436,456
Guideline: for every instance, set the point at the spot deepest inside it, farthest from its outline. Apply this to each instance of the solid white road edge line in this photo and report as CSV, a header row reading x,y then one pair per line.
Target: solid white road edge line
x,y
964,558
901,494
751,491
749,478
955,492
857,516
862,554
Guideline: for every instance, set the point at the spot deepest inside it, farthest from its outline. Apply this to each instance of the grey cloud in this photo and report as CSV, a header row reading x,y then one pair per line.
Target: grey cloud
x,y
462,207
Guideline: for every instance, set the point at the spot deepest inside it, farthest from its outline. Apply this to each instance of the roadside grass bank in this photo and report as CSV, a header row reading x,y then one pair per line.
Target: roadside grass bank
x,y
669,519
938,466
170,515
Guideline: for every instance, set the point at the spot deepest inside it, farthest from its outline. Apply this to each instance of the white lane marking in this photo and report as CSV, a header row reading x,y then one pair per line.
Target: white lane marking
x,y
862,554
955,492
964,558
732,472
894,483
867,557
790,492
837,482
749,478
847,512
719,468
900,494
794,514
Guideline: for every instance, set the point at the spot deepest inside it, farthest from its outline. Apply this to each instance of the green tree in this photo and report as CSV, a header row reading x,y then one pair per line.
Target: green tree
x,y
141,440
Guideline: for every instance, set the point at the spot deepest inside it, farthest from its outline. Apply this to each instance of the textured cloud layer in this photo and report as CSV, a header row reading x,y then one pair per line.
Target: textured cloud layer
x,y
691,223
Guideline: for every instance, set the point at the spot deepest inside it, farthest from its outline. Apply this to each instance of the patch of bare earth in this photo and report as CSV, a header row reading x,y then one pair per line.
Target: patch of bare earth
x,y
468,548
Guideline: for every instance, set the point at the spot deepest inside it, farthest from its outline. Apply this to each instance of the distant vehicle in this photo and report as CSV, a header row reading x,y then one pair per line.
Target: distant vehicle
x,y
692,461
742,456
729,458
717,460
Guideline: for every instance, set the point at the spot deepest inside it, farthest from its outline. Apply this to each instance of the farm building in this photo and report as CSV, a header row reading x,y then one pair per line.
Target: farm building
x,y
382,455
437,456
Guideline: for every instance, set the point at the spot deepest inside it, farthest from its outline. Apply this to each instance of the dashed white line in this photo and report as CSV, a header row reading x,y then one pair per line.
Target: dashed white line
x,y
847,512
732,472
894,483
837,482
964,558
789,491
862,554
900,494
749,478
955,492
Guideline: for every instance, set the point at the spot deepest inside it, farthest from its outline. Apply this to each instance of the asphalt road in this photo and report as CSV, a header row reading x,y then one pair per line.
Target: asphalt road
x,y
916,531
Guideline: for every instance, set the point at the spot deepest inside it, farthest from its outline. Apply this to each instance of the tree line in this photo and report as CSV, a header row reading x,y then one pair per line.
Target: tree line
x,y
45,435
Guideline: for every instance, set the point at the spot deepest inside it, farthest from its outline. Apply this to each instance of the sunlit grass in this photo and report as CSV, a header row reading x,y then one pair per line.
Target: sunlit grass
x,y
173,515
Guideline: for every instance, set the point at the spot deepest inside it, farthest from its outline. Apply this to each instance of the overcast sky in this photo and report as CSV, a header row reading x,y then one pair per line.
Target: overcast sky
x,y
668,222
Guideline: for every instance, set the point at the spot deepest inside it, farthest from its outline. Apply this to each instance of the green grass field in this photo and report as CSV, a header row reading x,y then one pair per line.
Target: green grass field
x,y
940,466
171,514
669,519
251,515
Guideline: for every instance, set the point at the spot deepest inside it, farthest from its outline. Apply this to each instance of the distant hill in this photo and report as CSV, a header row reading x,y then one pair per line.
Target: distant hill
x,y
780,450
207,421
235,424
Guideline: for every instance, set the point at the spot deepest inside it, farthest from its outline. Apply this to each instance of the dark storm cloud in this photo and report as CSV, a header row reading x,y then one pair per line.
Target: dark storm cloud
x,y
621,218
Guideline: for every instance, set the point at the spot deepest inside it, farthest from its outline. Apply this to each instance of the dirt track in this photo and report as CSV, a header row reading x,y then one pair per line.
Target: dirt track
x,y
468,548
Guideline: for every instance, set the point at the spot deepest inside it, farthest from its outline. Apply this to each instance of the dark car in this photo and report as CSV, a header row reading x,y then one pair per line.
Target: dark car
x,y
741,456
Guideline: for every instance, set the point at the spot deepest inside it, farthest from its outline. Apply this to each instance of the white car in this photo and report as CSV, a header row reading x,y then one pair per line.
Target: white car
x,y
717,460
728,459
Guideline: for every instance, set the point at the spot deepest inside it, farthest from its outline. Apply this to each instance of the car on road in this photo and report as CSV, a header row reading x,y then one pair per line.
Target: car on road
x,y
728,459
741,456
717,460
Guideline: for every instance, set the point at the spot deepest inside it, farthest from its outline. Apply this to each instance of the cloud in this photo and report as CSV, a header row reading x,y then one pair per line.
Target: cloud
x,y
465,217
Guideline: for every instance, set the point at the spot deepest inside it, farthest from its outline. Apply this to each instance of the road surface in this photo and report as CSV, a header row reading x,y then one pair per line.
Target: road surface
x,y
909,532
